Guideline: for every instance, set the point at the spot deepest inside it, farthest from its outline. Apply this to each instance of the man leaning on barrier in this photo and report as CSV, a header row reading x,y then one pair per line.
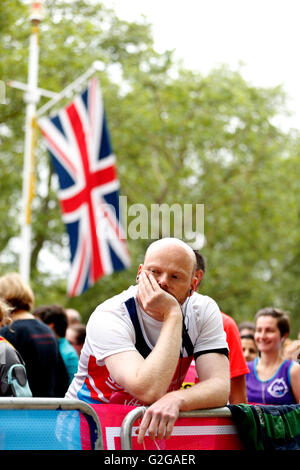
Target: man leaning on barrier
x,y
140,343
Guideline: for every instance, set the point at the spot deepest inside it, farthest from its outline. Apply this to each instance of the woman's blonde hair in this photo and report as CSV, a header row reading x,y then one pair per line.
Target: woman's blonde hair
x,y
4,313
16,292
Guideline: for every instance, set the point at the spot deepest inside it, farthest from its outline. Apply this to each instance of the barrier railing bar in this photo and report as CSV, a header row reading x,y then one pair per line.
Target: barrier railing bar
x,y
28,403
133,415
223,412
126,427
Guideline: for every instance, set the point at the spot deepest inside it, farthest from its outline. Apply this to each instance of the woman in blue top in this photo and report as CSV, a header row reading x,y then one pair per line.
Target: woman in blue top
x,y
272,379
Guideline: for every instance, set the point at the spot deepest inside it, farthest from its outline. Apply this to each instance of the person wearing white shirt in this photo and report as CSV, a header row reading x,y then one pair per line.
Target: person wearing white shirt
x,y
139,344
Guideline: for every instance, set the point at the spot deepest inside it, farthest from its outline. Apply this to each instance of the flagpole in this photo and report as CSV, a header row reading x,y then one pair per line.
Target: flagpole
x,y
75,85
31,98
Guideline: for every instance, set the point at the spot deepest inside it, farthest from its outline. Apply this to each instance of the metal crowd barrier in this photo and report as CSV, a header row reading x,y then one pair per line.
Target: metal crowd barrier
x,y
132,416
57,404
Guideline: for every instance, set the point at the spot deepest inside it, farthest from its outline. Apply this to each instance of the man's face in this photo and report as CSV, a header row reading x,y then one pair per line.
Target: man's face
x,y
172,267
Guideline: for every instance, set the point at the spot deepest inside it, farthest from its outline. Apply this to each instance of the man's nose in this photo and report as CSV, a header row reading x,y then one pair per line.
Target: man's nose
x,y
163,280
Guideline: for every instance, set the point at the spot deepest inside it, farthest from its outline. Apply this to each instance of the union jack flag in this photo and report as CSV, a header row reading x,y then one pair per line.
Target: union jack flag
x,y
78,141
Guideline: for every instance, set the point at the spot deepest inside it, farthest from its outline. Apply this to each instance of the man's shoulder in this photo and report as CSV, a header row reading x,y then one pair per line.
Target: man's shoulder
x,y
202,308
200,301
116,303
229,322
118,299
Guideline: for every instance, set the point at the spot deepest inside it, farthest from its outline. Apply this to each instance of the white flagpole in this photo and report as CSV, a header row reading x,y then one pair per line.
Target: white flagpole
x,y
32,98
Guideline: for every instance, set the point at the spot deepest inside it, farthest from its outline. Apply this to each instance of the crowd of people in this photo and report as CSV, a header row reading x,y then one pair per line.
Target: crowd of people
x,y
37,339
162,343
264,361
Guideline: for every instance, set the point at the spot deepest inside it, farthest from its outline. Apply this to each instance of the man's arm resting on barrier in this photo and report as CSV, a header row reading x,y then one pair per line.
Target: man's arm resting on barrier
x,y
149,379
211,392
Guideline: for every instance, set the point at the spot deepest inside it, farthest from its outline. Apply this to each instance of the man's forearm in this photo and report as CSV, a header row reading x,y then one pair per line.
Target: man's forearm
x,y
157,371
160,417
211,393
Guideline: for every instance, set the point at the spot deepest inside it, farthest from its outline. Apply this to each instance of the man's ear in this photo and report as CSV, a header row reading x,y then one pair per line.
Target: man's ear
x,y
139,271
198,278
194,285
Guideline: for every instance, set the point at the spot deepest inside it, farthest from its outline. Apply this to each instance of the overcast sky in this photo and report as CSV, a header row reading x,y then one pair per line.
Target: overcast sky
x,y
262,34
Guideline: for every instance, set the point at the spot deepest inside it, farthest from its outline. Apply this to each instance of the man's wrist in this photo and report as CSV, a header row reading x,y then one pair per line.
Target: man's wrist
x,y
173,313
178,397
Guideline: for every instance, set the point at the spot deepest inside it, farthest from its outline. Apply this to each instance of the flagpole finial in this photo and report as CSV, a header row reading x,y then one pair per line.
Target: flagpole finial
x,y
36,12
98,65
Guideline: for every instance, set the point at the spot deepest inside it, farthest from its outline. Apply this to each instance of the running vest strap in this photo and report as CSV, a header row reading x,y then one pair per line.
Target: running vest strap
x,y
186,341
141,344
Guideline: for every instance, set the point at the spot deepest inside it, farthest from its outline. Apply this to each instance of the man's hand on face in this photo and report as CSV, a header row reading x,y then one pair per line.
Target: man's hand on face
x,y
155,301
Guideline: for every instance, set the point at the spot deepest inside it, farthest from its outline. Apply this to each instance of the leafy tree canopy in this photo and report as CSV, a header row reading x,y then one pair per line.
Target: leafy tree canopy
x,y
180,138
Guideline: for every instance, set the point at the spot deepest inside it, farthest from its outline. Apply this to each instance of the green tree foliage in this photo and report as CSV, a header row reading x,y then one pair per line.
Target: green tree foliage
x,y
179,137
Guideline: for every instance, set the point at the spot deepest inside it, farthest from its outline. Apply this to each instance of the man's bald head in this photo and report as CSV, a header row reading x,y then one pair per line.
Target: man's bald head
x,y
172,263
173,246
